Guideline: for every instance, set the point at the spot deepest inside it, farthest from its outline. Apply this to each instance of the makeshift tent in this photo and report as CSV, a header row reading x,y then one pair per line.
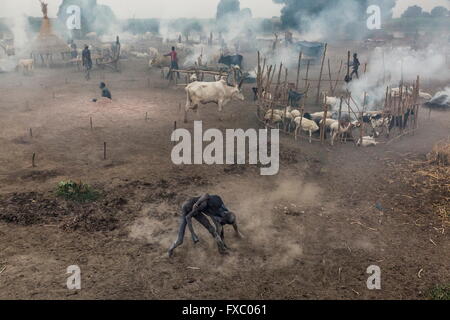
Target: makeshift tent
x,y
311,49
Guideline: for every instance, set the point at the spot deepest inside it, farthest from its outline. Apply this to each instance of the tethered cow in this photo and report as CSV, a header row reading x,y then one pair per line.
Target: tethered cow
x,y
218,92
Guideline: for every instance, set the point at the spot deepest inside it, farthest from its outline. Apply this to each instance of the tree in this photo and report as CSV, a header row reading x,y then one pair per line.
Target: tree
x,y
439,12
246,13
332,17
413,12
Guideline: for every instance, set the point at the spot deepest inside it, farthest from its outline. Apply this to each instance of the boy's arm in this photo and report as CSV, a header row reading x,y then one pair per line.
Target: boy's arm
x,y
202,199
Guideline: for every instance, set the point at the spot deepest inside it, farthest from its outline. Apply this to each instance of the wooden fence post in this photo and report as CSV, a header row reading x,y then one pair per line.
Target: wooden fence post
x,y
298,70
320,76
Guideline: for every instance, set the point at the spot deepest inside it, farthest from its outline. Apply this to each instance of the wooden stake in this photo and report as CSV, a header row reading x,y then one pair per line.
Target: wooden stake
x,y
286,85
417,111
31,133
324,121
104,150
348,65
298,70
174,129
90,120
384,68
276,89
340,117
320,75
337,78
262,70
329,75
307,72
361,131
146,116
33,162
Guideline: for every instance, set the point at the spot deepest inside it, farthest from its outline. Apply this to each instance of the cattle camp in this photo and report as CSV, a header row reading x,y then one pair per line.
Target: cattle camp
x,y
224,149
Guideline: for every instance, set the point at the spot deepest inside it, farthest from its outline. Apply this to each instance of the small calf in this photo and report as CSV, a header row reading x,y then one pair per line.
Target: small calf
x,y
26,65
367,142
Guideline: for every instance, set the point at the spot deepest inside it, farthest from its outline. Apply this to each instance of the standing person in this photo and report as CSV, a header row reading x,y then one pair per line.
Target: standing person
x,y
173,62
87,61
116,48
73,48
355,66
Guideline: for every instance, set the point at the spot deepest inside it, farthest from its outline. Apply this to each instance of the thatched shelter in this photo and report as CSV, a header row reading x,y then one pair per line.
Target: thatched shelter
x,y
47,44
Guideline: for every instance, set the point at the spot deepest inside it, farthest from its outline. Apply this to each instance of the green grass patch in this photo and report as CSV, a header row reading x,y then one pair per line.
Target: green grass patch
x,y
79,192
440,292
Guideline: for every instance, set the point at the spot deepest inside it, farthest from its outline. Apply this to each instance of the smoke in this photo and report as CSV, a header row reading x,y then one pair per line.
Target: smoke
x,y
387,67
441,99
94,17
17,23
325,18
227,7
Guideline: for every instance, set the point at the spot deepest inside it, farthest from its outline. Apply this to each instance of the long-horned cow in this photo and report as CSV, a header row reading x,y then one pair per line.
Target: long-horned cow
x,y
218,92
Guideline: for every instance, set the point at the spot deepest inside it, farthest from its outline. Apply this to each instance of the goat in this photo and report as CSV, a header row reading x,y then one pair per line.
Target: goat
x,y
306,125
341,130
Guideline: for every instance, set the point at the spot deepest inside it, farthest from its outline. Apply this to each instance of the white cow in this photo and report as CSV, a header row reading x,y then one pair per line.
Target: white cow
x,y
153,52
193,78
159,62
26,65
139,55
218,92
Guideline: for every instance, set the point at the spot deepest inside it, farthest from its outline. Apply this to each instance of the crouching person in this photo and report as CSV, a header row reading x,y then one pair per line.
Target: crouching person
x,y
200,208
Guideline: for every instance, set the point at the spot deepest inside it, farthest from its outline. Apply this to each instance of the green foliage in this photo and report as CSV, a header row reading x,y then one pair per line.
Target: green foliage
x,y
441,292
412,12
78,192
439,12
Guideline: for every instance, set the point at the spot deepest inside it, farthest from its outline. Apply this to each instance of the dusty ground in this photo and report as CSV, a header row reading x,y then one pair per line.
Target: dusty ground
x,y
310,232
